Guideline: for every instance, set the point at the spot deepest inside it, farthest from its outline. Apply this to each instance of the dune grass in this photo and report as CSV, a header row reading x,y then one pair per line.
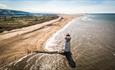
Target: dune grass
x,y
10,23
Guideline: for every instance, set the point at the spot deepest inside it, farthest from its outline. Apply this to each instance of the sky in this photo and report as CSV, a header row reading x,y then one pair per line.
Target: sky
x,y
60,6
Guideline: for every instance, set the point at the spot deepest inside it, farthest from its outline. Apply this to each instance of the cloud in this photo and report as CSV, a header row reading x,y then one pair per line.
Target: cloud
x,y
61,6
71,7
3,6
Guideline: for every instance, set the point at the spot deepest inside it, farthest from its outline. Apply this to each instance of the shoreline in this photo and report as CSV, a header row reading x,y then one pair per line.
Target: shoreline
x,y
52,41
22,45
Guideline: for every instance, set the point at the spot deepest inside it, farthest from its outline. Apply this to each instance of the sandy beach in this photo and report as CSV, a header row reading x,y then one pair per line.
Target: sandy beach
x,y
14,46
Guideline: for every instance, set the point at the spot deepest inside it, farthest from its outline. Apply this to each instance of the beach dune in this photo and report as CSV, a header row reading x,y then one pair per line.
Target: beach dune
x,y
20,42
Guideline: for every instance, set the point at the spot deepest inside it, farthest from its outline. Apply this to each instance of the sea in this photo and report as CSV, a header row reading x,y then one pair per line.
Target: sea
x,y
92,41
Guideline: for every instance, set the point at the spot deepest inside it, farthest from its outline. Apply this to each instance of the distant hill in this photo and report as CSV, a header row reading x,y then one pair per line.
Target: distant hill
x,y
8,12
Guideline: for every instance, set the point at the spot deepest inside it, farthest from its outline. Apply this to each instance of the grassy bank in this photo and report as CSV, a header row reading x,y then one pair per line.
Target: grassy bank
x,y
9,23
